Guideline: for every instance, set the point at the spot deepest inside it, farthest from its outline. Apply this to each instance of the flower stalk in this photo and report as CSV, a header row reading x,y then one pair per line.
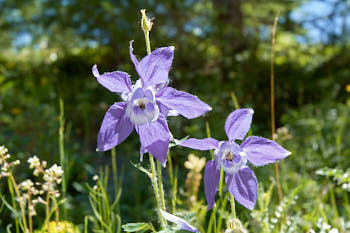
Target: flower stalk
x,y
272,103
146,25
233,207
14,185
156,190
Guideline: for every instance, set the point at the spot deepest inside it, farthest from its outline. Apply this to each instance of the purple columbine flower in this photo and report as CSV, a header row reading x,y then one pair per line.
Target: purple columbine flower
x,y
232,158
146,104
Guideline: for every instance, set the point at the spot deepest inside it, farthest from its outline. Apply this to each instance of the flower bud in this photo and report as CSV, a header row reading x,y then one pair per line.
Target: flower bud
x,y
146,23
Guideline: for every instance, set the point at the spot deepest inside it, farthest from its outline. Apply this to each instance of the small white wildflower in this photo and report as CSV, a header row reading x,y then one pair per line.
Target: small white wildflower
x,y
277,213
333,230
274,220
95,177
34,162
26,185
95,187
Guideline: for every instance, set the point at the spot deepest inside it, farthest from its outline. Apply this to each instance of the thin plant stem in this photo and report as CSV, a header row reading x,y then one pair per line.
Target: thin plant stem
x,y
272,102
148,44
30,219
14,206
160,185
114,170
14,184
207,127
62,154
233,207
86,224
47,209
173,181
57,213
157,187
155,190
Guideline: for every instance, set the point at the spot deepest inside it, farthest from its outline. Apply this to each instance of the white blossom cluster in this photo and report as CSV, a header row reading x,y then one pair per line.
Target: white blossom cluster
x,y
342,178
30,191
325,227
5,166
51,176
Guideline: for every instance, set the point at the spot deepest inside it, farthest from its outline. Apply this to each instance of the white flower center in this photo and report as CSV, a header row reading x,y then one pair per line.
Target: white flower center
x,y
141,106
230,157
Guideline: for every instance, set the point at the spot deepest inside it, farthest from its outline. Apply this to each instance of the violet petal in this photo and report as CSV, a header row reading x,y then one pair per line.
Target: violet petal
x,y
211,182
132,56
243,186
116,81
154,68
200,144
154,137
238,123
185,104
115,127
261,151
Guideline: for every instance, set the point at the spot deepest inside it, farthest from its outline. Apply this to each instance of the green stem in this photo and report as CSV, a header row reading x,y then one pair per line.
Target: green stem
x,y
47,209
207,128
14,206
173,183
62,154
114,170
233,208
272,104
148,44
14,184
155,190
160,185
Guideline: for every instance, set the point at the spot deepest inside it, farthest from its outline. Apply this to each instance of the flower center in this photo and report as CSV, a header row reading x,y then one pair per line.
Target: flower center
x,y
142,107
230,157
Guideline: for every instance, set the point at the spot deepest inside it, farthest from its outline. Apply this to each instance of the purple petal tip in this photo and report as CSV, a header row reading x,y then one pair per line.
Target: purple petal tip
x,y
95,71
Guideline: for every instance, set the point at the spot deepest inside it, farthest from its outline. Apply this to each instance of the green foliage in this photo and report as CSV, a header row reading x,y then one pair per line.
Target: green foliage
x,y
137,227
106,217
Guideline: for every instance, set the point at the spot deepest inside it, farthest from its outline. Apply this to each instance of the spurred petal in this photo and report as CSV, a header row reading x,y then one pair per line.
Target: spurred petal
x,y
261,151
154,138
132,56
200,144
116,81
115,128
181,223
154,68
243,186
238,123
185,104
211,182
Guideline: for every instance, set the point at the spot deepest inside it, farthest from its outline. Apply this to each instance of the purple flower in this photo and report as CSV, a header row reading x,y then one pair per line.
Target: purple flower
x,y
181,223
232,158
146,104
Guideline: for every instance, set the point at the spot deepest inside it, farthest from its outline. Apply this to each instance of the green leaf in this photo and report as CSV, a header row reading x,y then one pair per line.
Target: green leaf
x,y
173,144
136,227
144,170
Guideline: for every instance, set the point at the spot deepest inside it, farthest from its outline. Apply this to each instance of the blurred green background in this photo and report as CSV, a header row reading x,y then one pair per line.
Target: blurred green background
x,y
221,47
